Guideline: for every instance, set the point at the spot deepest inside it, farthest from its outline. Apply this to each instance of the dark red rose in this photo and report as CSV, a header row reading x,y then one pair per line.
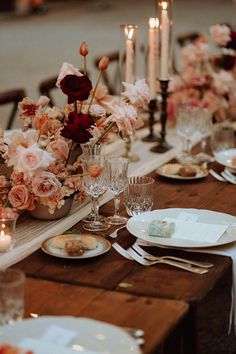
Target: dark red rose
x,y
77,88
228,62
232,43
76,126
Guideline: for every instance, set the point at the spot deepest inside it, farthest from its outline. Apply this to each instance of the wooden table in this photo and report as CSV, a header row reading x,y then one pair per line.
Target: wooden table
x,y
125,310
205,328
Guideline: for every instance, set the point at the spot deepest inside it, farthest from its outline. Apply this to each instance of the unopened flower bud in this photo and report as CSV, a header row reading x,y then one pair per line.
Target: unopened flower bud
x,y
83,49
103,63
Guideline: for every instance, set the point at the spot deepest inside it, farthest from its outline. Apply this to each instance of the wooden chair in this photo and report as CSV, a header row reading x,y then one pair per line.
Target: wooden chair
x,y
187,38
13,96
110,77
46,86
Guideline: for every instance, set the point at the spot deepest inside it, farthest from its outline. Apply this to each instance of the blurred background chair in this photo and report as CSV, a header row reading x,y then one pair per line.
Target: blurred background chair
x,y
47,86
12,97
111,77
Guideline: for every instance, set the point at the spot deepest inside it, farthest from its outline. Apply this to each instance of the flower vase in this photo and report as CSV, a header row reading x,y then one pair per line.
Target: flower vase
x,y
41,212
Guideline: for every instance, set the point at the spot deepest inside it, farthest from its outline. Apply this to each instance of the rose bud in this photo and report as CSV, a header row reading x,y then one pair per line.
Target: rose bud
x,y
94,170
83,49
103,63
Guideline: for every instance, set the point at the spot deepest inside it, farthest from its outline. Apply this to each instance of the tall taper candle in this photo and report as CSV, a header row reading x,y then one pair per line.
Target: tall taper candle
x,y
165,29
153,55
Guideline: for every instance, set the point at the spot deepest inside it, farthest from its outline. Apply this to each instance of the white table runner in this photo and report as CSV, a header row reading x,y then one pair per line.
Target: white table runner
x,y
30,233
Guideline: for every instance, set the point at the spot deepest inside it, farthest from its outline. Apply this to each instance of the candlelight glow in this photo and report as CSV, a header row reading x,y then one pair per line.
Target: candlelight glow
x,y
129,32
164,5
153,22
2,234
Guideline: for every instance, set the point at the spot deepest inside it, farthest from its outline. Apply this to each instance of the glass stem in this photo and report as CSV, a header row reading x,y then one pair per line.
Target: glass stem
x,y
188,146
203,145
95,208
117,205
92,207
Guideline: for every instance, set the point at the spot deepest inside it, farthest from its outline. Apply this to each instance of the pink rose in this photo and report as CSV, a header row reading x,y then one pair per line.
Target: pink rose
x,y
138,94
45,185
32,159
20,198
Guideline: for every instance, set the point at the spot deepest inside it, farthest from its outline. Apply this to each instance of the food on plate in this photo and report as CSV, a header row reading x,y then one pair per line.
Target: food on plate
x,y
161,228
171,168
187,171
74,248
73,244
10,349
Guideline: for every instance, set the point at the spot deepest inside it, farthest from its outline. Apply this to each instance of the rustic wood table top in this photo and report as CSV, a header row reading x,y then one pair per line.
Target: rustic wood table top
x,y
111,272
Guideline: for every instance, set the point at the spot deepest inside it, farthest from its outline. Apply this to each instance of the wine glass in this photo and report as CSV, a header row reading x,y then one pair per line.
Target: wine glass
x,y
117,182
186,126
89,149
205,126
95,184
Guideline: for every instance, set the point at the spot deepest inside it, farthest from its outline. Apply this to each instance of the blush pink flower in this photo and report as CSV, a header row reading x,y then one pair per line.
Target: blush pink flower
x,y
32,159
20,198
28,109
45,185
222,82
124,116
59,149
137,94
220,34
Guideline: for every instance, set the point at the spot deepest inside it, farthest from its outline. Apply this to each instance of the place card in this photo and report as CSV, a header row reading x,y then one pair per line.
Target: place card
x,y
197,231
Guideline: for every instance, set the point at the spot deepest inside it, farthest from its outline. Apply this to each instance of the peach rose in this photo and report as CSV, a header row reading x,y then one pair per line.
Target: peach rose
x,y
94,170
20,198
59,148
45,185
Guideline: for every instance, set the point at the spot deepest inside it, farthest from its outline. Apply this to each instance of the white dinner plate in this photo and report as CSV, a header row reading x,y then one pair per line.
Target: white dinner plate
x,y
225,158
90,334
138,226
201,172
103,246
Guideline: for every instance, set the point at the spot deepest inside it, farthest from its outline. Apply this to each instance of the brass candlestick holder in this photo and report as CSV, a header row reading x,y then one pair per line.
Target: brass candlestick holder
x,y
162,145
152,108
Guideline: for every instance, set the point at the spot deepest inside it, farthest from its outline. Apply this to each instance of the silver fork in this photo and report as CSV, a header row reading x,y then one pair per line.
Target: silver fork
x,y
184,266
217,176
115,233
228,177
150,257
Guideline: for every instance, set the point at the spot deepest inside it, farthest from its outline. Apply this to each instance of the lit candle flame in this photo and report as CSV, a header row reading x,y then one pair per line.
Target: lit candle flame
x,y
2,234
164,5
153,22
129,32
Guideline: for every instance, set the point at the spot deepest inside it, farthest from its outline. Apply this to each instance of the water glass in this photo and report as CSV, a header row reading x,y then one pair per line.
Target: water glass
x,y
11,295
222,138
139,195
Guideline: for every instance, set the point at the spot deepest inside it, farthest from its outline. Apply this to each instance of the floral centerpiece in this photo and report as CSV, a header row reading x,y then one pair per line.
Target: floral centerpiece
x,y
208,80
39,155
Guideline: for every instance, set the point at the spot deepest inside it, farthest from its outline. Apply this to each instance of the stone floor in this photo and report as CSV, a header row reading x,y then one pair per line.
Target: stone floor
x,y
34,47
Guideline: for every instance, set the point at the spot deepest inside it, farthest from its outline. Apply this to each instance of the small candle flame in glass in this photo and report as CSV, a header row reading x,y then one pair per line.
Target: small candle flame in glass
x,y
153,22
129,31
164,5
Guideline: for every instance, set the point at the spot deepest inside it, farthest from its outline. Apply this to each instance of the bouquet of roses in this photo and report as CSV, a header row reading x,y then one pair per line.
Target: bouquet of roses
x,y
208,80
39,156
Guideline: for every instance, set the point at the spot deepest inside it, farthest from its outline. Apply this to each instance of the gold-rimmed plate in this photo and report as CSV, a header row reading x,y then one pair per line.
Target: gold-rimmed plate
x,y
103,246
171,170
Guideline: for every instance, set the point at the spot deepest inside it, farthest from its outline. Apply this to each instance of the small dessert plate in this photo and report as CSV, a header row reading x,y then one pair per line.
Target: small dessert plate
x,y
226,159
171,171
103,246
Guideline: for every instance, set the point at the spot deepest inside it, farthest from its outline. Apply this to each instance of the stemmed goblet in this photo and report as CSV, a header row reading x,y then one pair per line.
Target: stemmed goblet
x,y
186,127
117,182
88,150
95,184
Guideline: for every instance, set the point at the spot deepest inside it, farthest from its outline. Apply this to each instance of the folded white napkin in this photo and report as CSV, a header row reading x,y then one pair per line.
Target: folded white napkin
x,y
197,231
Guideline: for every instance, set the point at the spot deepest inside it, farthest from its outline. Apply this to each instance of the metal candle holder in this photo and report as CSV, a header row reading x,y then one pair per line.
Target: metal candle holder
x,y
163,146
152,108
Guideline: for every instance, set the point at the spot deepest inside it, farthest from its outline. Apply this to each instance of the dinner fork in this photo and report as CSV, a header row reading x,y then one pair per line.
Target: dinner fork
x,y
228,177
184,266
217,176
150,257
